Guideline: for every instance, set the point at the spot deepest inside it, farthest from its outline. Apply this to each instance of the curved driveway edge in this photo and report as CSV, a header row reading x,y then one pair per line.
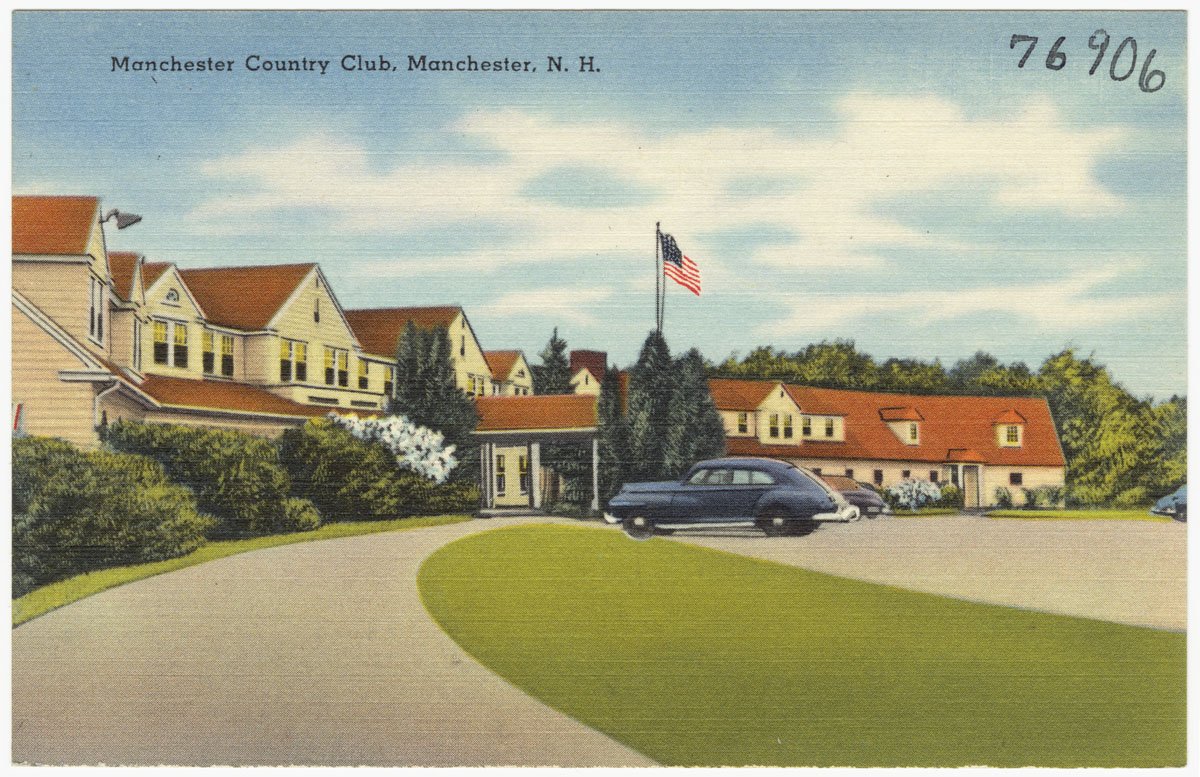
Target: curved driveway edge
x,y
1130,572
318,653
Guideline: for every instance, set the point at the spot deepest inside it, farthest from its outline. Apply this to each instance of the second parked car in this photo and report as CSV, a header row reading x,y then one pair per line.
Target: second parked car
x,y
868,501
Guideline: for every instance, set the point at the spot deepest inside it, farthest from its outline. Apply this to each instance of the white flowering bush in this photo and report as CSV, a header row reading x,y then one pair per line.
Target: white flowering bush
x,y
416,448
913,494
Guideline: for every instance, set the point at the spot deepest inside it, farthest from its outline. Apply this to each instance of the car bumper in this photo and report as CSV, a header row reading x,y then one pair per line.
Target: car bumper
x,y
610,518
843,514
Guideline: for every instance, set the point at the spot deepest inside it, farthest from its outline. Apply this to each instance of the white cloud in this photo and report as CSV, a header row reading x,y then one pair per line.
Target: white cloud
x,y
1056,306
567,304
885,148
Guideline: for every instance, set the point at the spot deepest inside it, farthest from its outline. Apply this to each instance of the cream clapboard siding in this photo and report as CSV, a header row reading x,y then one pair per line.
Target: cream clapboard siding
x,y
1031,477
864,469
60,290
519,380
295,322
119,406
470,364
121,336
902,428
583,382
512,495
50,407
780,403
730,418
185,313
818,424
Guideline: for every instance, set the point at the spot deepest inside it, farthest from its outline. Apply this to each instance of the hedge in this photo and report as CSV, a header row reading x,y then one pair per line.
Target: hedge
x,y
354,480
75,512
236,477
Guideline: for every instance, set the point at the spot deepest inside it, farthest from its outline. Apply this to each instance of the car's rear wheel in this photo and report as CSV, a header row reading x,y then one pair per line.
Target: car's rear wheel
x,y
639,527
773,524
1181,514
803,527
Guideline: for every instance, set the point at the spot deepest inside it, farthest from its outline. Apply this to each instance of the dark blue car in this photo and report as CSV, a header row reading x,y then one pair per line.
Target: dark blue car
x,y
777,497
1173,505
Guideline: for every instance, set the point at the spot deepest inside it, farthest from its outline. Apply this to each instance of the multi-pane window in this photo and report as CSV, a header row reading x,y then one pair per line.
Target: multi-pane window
x,y
912,432
362,374
343,369
181,345
787,425
1012,435
285,360
206,352
389,378
479,385
806,426
774,425
1015,479
879,477
329,376
523,472
828,427
500,474
301,353
933,476
227,355
743,423
96,309
160,342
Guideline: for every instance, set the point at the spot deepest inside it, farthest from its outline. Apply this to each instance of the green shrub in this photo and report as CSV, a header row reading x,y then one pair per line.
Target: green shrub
x,y
1003,497
75,512
952,496
353,480
1053,495
236,477
1033,497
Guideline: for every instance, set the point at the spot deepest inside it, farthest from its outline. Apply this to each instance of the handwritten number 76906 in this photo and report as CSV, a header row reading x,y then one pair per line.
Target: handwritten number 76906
x,y
1148,81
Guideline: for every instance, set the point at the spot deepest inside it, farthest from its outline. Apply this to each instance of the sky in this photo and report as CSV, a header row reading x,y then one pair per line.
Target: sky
x,y
893,178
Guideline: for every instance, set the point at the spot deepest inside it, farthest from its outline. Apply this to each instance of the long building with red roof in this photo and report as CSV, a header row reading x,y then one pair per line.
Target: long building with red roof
x,y
979,444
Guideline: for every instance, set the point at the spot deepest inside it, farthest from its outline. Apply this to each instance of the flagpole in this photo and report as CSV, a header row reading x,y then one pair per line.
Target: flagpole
x,y
658,278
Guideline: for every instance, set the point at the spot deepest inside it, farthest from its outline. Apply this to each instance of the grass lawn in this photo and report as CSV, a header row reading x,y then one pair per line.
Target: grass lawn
x,y
696,657
1078,515
55,595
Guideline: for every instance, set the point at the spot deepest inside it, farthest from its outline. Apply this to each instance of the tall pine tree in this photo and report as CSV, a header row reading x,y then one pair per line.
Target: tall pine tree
x,y
695,430
553,375
427,392
651,388
614,444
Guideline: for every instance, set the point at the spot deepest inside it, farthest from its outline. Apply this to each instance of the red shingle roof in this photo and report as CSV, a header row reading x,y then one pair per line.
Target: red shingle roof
x,y
501,362
378,329
220,395
244,298
739,394
151,271
595,362
900,414
1009,417
122,265
53,225
553,411
959,423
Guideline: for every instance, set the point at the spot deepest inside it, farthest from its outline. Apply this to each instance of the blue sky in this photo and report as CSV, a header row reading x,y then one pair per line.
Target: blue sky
x,y
893,178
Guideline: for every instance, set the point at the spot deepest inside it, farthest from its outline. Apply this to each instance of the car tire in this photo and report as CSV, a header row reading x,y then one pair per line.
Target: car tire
x,y
1181,514
803,527
638,527
774,524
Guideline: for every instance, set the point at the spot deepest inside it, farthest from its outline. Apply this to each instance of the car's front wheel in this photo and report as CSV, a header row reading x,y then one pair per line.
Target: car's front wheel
x,y
639,527
773,524
803,527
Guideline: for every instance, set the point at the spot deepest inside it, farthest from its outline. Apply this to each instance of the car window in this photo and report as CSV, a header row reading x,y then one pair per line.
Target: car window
x,y
698,477
741,477
720,477
761,478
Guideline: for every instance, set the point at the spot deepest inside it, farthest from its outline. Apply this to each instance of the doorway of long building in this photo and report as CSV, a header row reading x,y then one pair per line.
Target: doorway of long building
x,y
970,485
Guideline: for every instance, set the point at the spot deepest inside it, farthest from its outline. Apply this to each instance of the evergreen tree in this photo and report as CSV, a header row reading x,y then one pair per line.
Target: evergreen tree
x,y
651,388
695,430
553,375
614,437
427,392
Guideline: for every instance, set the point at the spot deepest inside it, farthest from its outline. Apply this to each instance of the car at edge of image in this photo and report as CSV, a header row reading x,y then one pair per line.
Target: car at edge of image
x,y
866,499
777,497
1172,505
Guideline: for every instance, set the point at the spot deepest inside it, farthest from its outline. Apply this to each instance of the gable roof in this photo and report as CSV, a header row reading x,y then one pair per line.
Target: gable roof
x,y
952,426
501,363
122,265
151,272
379,329
906,413
544,411
730,394
245,298
53,225
1009,417
595,362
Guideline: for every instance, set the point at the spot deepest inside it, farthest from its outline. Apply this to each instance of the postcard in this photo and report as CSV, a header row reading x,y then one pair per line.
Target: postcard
x,y
599,388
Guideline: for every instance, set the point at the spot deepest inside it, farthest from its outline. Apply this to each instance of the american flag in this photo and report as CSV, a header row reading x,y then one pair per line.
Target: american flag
x,y
678,267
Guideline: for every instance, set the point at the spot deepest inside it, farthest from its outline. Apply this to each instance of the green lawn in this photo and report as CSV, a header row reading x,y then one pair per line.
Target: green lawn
x,y
926,511
55,595
697,657
1078,515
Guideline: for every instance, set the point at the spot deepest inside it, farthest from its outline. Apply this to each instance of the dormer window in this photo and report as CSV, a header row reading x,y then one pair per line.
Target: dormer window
x,y
1010,429
172,297
912,433
1011,435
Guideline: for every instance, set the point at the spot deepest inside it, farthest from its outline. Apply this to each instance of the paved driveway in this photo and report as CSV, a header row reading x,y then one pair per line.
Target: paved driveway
x,y
1132,572
317,653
